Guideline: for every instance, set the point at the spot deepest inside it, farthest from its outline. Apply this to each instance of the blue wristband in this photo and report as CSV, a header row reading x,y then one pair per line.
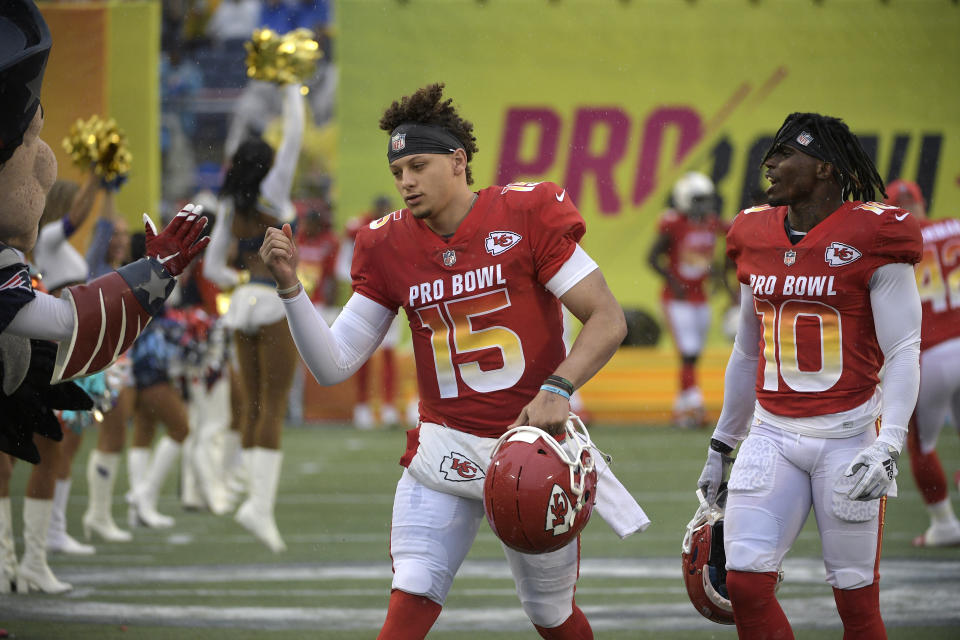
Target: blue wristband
x,y
556,390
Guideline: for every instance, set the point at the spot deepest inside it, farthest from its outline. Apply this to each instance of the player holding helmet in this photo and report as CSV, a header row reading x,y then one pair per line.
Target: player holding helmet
x,y
481,276
827,296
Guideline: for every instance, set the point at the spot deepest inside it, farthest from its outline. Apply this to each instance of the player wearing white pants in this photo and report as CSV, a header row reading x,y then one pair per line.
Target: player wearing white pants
x,y
425,520
775,480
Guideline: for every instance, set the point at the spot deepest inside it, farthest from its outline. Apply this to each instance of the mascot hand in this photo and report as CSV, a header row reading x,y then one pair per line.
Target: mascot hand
x,y
177,245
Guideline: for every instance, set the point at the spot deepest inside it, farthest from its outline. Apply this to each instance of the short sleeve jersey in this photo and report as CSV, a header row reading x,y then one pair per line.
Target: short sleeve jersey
x,y
819,347
318,257
486,331
690,257
938,281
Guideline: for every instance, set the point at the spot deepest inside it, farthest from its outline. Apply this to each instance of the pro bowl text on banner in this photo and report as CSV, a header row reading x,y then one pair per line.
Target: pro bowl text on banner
x,y
614,100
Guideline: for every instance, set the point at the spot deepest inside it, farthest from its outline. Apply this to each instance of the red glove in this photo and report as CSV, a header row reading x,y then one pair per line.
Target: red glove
x,y
177,245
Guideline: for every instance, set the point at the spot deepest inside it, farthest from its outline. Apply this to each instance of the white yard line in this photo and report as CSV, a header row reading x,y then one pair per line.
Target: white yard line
x,y
913,593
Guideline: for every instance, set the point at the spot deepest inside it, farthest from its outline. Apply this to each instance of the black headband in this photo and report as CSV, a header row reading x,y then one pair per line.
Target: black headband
x,y
801,139
410,138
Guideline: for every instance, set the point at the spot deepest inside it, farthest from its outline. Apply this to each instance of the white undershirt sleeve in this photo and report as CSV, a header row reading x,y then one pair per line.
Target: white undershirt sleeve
x,y
740,377
896,318
577,267
44,318
335,353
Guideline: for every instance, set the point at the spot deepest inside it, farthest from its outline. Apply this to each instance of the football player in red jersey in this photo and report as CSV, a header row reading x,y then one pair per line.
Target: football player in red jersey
x,y
827,296
481,276
939,396
683,255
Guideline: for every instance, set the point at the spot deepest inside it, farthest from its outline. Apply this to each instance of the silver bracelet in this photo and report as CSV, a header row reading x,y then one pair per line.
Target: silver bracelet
x,y
283,292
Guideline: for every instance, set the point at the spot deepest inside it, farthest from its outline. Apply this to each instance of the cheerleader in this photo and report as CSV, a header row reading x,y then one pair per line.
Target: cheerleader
x,y
255,195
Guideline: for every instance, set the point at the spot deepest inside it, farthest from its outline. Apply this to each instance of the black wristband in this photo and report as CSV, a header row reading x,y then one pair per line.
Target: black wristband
x,y
563,383
720,447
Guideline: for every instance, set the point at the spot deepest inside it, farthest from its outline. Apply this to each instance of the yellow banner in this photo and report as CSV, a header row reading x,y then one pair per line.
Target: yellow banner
x,y
105,61
614,100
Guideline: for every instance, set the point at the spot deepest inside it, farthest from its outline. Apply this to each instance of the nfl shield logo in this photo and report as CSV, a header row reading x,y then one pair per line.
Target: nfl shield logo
x,y
804,138
789,257
449,257
398,142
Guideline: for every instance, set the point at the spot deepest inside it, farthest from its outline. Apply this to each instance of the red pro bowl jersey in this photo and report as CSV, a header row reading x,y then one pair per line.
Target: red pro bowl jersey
x,y
486,331
819,344
938,280
692,245
318,258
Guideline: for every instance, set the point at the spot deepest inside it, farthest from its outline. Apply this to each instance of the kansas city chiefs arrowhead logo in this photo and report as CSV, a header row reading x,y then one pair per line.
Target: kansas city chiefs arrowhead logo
x,y
839,254
457,467
559,511
497,242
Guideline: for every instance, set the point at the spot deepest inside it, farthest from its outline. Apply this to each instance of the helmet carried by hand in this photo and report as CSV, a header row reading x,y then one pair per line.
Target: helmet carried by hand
x,y
704,562
539,493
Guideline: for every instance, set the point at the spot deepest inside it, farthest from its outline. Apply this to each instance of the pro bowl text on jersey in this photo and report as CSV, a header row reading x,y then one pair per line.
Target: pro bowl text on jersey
x,y
812,286
456,284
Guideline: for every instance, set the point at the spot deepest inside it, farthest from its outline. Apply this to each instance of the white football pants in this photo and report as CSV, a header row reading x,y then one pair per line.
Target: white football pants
x,y
433,531
775,480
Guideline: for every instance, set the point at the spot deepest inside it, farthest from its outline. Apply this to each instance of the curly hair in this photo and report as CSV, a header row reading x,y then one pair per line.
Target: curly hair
x,y
248,168
427,106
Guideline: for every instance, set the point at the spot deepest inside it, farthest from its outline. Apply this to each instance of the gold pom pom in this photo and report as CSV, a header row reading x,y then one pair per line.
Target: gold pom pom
x,y
285,59
101,144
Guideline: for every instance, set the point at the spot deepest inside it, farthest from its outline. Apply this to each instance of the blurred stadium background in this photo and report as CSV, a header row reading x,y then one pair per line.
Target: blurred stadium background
x,y
614,99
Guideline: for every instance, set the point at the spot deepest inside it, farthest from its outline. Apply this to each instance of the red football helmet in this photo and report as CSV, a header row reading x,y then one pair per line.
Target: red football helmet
x,y
704,562
538,493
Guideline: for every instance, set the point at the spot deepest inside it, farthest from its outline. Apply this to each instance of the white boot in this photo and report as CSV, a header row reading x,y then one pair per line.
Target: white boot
x,y
145,496
138,461
256,514
58,540
8,553
944,529
207,458
190,496
363,417
101,477
34,573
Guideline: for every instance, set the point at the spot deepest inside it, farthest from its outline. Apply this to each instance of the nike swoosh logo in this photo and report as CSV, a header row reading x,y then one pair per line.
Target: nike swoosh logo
x,y
561,195
899,218
168,258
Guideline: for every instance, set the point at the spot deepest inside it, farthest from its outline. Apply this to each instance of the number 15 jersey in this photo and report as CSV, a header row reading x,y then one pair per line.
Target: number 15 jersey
x,y
819,347
486,330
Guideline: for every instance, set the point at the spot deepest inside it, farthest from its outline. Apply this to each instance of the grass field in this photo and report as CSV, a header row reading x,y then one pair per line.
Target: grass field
x,y
207,578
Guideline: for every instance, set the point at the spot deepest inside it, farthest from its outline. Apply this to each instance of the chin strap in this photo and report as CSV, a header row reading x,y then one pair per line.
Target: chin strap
x,y
109,313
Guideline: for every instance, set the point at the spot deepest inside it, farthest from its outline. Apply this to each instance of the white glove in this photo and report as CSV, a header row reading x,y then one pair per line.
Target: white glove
x,y
874,469
714,471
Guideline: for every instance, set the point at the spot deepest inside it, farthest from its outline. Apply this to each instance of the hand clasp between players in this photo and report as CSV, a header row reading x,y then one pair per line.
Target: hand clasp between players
x,y
279,253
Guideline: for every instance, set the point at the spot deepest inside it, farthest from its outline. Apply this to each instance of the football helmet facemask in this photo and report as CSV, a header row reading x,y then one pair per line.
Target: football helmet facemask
x,y
704,561
538,493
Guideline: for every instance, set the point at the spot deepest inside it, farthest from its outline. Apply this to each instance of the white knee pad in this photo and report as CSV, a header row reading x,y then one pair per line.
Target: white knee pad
x,y
545,583
548,603
430,535
416,573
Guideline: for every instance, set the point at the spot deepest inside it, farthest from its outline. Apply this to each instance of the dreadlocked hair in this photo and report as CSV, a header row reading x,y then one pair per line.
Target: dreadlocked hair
x,y
854,169
427,106
249,166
